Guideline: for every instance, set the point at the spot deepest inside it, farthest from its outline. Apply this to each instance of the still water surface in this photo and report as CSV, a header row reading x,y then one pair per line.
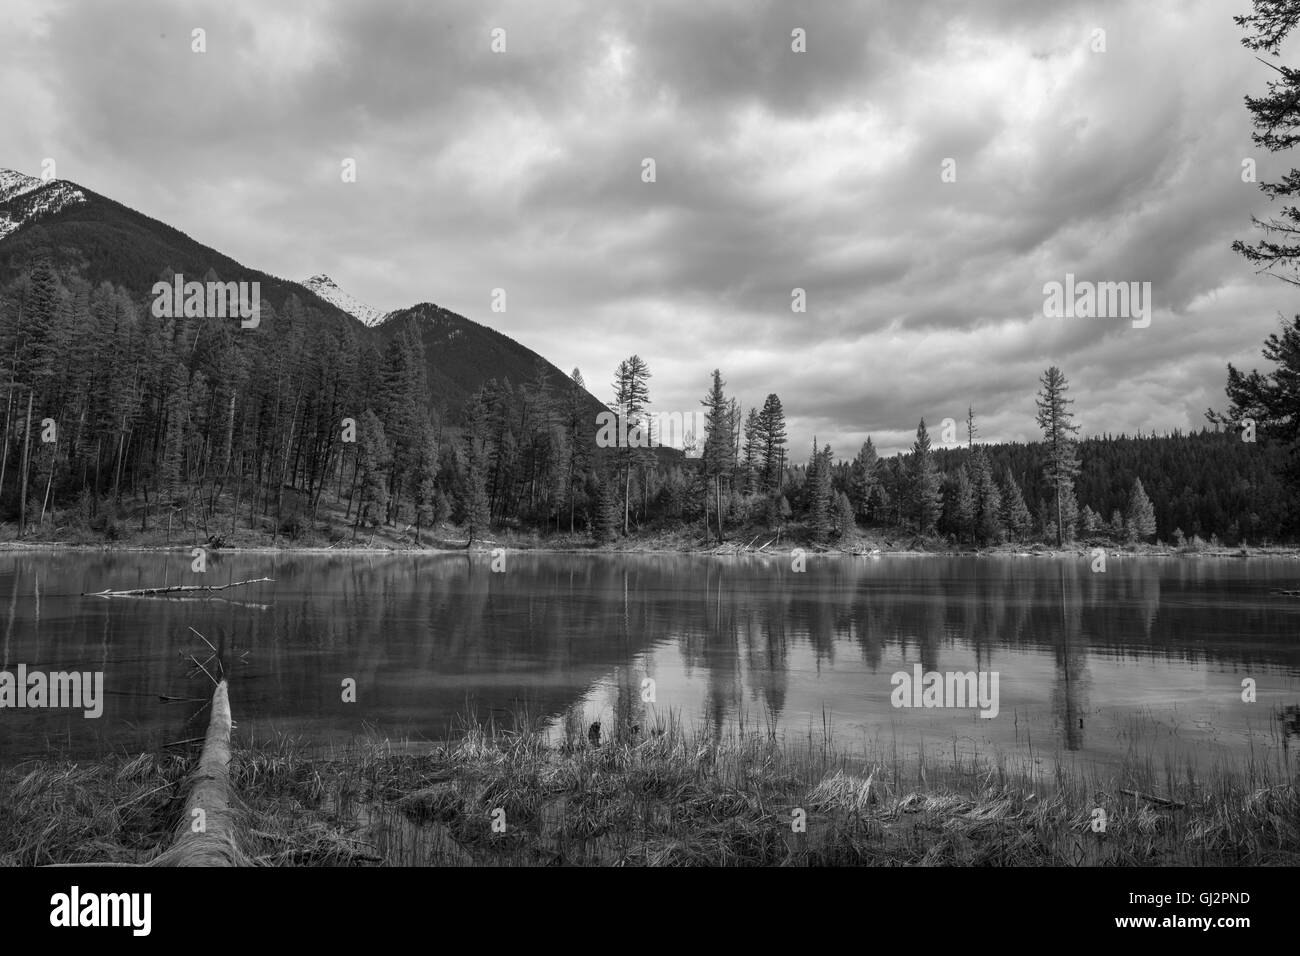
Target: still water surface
x,y
1145,660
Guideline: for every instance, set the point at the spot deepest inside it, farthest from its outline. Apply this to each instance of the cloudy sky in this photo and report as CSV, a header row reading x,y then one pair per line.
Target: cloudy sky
x,y
774,169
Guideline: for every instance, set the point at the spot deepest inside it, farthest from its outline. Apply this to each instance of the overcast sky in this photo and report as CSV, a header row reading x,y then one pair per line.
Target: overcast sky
x,y
774,169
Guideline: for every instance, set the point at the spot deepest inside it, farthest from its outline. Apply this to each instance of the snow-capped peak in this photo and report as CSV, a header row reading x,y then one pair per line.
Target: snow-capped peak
x,y
325,287
15,184
24,198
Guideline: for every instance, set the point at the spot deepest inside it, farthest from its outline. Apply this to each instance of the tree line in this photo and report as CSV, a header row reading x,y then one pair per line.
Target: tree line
x,y
115,416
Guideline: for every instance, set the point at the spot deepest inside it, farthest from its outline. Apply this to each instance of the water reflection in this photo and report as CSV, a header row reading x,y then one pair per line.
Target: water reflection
x,y
571,637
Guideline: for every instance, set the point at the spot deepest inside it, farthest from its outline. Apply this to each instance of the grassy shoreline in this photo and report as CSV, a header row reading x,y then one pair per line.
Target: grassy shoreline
x,y
665,797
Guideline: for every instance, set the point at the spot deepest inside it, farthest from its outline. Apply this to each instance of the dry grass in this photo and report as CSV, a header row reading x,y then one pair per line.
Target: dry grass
x,y
673,797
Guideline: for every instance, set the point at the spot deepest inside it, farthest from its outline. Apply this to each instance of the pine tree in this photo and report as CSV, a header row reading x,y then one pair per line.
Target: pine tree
x,y
425,474
753,451
736,429
475,503
426,505
1015,513
843,519
865,479
1069,512
1140,521
896,488
821,494
1270,400
35,356
1089,521
38,339
925,492
771,430
579,431
1062,464
988,500
1276,118
606,518
441,507
882,504
781,510
375,459
717,447
963,503
631,396
402,396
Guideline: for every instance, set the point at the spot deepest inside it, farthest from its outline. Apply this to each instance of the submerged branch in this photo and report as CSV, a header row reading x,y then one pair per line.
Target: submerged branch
x,y
134,592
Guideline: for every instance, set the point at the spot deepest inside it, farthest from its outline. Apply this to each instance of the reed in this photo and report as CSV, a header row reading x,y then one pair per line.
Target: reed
x,y
666,795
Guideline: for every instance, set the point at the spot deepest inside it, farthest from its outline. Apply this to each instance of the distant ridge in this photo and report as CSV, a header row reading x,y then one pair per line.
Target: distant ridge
x,y
461,355
100,240
86,234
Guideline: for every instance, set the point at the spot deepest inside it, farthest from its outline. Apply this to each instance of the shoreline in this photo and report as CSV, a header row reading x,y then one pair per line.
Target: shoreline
x,y
487,548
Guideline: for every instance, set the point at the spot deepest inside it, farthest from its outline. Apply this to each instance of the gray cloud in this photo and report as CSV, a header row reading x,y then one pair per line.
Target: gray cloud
x,y
775,170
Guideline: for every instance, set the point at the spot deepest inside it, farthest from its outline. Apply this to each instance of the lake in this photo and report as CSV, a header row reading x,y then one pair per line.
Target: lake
x,y
1145,660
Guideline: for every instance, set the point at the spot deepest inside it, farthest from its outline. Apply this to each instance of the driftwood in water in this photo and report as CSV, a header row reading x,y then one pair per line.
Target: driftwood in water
x,y
206,832
735,548
133,592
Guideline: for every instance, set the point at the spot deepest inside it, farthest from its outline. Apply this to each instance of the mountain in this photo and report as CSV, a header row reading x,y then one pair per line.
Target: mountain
x,y
86,234
461,355
100,240
25,199
324,286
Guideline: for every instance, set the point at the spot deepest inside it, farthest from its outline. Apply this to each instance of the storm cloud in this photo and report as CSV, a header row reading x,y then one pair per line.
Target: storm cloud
x,y
775,169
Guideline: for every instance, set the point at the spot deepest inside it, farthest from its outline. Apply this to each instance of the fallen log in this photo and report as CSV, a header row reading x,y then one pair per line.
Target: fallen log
x,y
134,592
206,832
